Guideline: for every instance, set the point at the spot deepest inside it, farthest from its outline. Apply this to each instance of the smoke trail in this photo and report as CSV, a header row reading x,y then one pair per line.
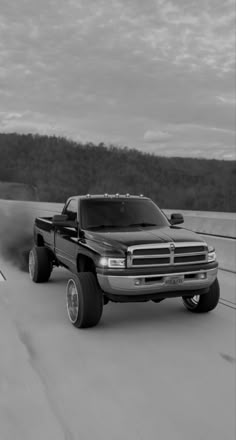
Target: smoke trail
x,y
16,234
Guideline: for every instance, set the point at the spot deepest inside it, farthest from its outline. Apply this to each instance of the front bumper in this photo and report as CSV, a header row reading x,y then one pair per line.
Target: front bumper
x,y
157,283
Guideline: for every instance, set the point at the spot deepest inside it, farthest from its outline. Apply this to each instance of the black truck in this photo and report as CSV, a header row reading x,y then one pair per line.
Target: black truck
x,y
123,248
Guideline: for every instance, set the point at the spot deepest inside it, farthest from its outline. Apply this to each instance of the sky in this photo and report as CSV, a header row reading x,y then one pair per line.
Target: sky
x,y
156,75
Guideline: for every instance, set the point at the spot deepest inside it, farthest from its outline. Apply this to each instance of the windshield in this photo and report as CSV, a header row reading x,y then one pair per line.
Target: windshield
x,y
98,214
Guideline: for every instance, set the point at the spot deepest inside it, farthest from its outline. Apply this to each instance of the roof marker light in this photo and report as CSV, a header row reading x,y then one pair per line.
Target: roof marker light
x,y
88,195
127,195
140,195
105,195
117,194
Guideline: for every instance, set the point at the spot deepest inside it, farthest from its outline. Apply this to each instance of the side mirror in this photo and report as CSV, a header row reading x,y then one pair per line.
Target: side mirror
x,y
60,220
176,219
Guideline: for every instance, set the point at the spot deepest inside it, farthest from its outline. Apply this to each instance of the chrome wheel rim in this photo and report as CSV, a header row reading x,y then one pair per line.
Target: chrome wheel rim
x,y
192,302
31,264
195,299
72,301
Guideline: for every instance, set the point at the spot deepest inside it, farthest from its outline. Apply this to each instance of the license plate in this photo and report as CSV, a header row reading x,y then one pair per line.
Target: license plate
x,y
174,281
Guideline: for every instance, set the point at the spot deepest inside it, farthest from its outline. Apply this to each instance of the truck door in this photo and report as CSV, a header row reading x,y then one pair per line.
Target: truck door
x,y
66,236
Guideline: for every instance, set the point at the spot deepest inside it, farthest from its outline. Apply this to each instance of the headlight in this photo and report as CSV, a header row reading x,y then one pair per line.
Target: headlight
x,y
211,254
112,262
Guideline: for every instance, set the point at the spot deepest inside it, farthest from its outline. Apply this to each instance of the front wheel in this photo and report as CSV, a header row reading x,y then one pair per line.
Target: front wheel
x,y
206,302
84,300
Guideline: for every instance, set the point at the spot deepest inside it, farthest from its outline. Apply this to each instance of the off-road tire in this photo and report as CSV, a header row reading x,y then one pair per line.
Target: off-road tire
x,y
84,300
40,264
204,303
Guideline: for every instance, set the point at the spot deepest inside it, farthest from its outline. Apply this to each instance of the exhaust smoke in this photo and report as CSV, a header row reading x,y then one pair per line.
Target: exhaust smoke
x,y
16,234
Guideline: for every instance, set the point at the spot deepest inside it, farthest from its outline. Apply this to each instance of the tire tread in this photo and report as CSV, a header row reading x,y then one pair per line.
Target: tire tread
x,y
43,267
90,299
208,301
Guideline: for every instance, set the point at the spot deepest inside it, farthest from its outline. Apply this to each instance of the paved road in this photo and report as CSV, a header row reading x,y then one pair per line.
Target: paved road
x,y
148,371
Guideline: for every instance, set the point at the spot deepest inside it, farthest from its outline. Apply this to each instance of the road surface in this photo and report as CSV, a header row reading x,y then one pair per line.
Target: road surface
x,y
147,371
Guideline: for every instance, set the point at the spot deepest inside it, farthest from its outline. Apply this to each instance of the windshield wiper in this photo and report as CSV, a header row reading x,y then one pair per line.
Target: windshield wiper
x,y
103,226
142,224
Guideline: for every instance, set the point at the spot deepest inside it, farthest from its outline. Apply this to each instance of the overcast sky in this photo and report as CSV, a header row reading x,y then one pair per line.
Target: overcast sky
x,y
156,75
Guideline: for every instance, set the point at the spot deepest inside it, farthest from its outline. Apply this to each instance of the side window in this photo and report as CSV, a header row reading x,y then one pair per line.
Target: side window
x,y
71,210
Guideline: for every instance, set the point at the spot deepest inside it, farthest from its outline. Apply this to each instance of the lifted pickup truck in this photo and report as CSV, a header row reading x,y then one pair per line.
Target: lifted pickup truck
x,y
123,249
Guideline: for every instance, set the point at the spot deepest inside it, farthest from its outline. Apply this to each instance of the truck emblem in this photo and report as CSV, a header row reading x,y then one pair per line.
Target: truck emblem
x,y
172,247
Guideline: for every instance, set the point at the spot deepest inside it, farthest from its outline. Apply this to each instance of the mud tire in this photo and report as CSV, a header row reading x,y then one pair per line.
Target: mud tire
x,y
40,264
84,300
204,303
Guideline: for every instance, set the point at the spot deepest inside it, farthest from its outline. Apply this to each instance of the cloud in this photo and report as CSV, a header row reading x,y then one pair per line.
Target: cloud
x,y
26,122
227,99
194,149
192,140
197,36
10,116
112,71
156,136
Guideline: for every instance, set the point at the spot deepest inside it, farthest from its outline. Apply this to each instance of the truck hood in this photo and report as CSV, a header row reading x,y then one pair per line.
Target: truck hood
x,y
144,235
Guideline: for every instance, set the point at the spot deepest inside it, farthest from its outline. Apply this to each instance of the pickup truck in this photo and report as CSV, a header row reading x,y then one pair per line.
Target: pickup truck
x,y
123,248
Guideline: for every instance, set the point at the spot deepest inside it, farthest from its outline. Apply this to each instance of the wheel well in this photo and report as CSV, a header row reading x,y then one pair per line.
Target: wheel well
x,y
85,264
39,240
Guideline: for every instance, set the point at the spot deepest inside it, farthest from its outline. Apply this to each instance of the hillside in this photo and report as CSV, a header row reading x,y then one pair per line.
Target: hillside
x,y
17,191
59,168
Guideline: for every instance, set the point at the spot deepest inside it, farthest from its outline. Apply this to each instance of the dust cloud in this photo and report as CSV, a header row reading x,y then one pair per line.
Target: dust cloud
x,y
16,234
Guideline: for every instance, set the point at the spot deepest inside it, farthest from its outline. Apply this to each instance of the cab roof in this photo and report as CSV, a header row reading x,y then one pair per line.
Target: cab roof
x,y
107,196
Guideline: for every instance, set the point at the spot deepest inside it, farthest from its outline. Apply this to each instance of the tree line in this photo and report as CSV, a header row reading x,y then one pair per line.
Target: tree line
x,y
58,168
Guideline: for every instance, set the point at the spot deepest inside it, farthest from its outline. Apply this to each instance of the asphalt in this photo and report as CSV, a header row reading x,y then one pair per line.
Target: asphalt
x,y
147,371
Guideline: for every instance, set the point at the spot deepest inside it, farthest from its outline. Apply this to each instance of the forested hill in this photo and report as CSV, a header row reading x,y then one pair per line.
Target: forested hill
x,y
59,168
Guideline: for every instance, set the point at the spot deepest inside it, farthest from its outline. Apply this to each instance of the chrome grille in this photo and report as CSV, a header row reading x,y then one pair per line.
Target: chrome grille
x,y
150,261
150,251
166,254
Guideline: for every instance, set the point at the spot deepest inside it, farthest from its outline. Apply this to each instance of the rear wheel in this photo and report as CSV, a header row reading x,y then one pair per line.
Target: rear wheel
x,y
206,302
40,264
84,300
